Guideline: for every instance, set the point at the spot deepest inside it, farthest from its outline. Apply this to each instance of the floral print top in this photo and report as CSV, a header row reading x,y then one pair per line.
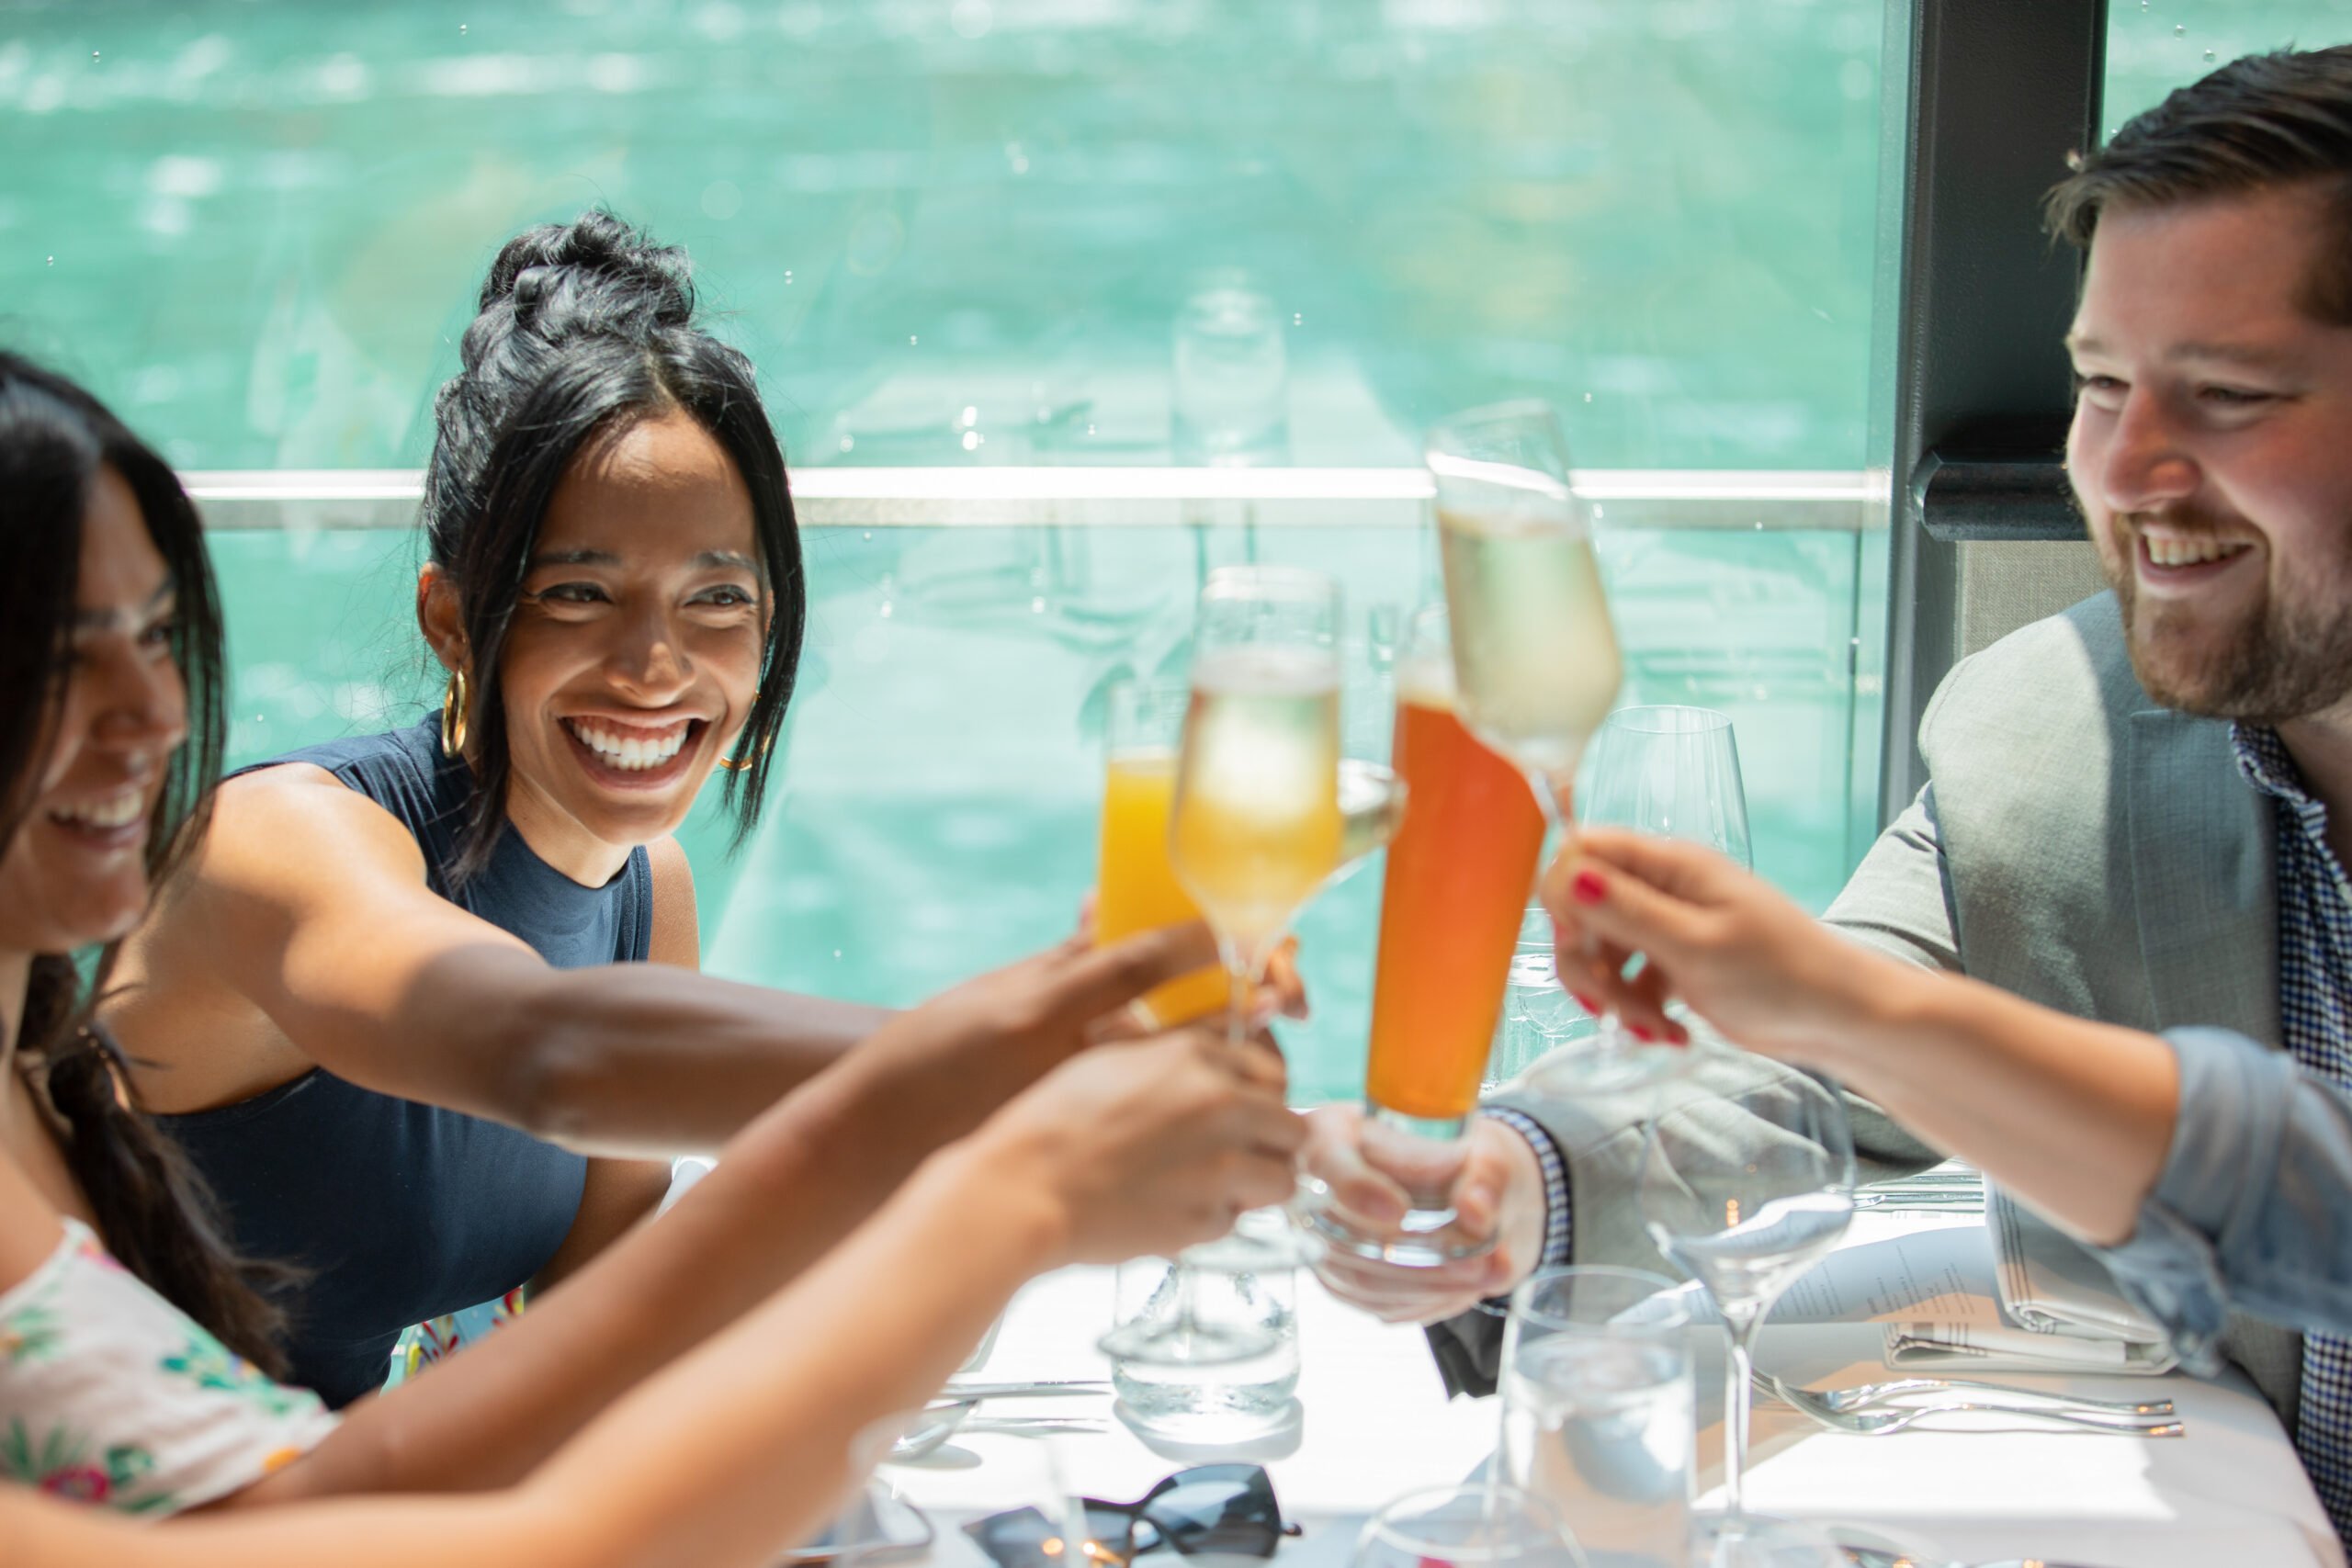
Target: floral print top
x,y
112,1396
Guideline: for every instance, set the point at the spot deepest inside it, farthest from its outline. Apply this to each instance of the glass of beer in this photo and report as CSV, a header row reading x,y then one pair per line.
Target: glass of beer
x,y
1135,886
1451,906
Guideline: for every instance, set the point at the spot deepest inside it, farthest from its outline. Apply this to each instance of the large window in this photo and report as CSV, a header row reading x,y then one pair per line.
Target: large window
x,y
1275,237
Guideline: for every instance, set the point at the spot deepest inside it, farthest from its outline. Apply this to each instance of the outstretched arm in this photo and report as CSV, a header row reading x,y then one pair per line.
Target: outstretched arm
x,y
801,1178
2072,1116
310,903
746,1443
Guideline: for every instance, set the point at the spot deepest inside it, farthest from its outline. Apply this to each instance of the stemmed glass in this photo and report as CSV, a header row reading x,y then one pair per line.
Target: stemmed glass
x,y
1535,661
1257,829
1258,825
1482,1525
1743,1196
1673,773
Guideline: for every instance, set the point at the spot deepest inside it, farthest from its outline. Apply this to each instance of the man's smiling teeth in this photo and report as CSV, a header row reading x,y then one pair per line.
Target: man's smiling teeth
x,y
2191,552
118,810
630,753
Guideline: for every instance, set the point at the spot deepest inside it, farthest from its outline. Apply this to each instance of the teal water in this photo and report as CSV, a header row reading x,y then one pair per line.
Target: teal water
x,y
937,795
959,232
268,216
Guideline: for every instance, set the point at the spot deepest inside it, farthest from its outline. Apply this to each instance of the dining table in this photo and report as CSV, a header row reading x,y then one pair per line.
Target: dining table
x,y
1372,1421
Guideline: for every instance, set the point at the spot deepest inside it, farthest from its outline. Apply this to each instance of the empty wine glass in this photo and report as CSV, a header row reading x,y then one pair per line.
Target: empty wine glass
x,y
1483,1525
1744,1192
1673,773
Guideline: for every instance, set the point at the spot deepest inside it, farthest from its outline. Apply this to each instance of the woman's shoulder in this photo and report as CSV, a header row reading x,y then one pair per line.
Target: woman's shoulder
x,y
406,758
402,771
120,1400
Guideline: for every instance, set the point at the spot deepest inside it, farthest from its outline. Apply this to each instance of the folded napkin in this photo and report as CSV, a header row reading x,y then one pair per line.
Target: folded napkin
x,y
2059,1307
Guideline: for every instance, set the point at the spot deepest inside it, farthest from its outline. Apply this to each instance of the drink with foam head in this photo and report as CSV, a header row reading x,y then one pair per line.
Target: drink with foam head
x,y
1459,871
1257,823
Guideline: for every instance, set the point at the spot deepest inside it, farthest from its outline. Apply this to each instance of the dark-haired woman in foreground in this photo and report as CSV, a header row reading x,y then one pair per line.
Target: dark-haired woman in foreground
x,y
401,963
115,1384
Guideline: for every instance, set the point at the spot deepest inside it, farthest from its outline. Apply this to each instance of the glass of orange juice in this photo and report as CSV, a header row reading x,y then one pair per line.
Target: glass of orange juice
x,y
1135,886
1459,872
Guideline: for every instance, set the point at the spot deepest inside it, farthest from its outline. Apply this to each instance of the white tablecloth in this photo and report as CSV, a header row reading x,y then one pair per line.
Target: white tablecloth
x,y
1377,1423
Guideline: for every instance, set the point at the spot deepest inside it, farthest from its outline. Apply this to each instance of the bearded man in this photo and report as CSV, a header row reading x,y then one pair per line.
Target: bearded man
x,y
2141,809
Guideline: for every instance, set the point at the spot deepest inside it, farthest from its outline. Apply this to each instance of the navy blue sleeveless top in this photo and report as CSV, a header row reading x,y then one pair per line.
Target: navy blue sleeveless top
x,y
403,1212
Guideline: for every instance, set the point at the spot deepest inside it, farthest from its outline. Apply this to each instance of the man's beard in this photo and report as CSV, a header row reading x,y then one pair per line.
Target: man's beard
x,y
2272,663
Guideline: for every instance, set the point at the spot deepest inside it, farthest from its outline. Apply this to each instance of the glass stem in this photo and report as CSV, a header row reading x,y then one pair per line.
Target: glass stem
x,y
1244,968
1739,1368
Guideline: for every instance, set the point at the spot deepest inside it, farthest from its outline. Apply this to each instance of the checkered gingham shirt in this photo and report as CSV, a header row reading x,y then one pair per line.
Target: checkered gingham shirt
x,y
2315,1014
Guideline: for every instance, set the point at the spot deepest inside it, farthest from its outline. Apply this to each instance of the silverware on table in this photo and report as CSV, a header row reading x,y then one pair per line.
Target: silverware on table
x,y
956,1392
1847,1400
1925,1203
1889,1421
943,1422
1872,1557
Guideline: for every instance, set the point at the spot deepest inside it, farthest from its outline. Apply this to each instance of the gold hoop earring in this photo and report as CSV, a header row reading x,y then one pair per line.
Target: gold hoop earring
x,y
455,703
745,764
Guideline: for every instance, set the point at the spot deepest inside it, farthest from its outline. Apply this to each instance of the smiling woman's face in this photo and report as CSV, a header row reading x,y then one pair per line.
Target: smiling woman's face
x,y
634,655
76,871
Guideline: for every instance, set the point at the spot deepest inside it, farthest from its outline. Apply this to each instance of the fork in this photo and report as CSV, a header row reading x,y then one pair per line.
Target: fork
x,y
1884,1423
1844,1400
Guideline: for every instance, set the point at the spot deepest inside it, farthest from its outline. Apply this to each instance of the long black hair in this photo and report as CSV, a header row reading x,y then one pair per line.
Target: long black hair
x,y
583,328
151,1207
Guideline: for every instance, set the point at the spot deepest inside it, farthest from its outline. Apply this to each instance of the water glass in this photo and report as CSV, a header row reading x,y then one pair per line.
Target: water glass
x,y
1599,1417
1489,1524
1230,399
1238,1291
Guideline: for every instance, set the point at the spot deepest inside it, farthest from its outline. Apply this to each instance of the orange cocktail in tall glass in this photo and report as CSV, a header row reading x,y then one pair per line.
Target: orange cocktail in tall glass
x,y
1459,874
1135,886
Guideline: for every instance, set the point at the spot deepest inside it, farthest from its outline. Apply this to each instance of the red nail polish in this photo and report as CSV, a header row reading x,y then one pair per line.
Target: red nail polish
x,y
1587,887
1584,1002
1642,1034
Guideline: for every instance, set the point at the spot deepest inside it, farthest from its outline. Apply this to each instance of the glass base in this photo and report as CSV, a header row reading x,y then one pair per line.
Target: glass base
x,y
1424,1155
1425,1238
1752,1541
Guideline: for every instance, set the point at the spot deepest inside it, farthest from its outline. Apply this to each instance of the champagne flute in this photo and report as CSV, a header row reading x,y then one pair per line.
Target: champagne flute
x,y
1672,771
1258,825
1257,829
1744,1214
1535,661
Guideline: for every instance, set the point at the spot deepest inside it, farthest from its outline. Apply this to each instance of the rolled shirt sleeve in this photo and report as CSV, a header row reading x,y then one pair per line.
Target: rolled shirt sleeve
x,y
2254,1206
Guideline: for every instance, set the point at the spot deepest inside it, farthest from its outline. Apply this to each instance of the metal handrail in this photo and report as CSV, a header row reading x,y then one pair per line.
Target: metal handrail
x,y
1746,499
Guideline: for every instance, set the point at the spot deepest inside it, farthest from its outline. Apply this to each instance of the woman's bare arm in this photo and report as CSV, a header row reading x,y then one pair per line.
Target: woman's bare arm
x,y
2072,1116
746,1441
310,902
791,1187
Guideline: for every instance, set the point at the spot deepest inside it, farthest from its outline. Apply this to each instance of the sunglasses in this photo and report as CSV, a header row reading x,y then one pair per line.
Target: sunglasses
x,y
1210,1508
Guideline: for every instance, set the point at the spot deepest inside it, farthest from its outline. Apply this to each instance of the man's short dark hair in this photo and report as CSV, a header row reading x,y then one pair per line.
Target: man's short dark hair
x,y
2265,122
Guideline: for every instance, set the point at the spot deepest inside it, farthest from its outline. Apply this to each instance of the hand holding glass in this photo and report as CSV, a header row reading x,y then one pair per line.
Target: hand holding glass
x,y
1671,772
1457,879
